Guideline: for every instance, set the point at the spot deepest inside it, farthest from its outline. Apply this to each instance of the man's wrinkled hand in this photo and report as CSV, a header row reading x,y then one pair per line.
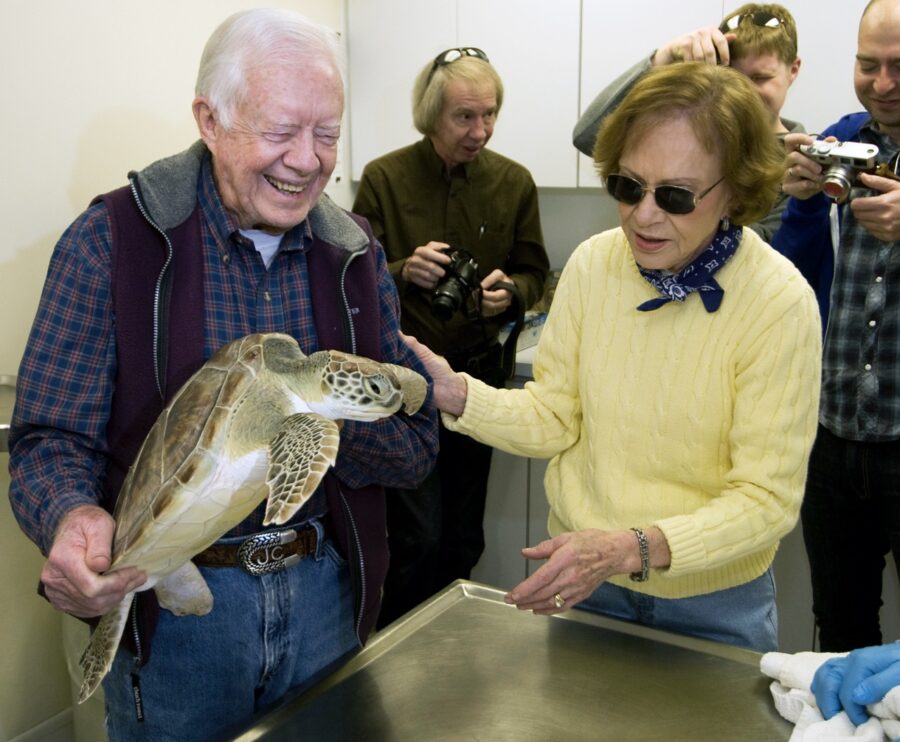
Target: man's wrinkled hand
x,y
73,575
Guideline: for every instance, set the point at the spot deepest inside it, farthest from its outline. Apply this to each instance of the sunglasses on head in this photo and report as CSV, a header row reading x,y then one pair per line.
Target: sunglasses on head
x,y
758,18
451,55
670,198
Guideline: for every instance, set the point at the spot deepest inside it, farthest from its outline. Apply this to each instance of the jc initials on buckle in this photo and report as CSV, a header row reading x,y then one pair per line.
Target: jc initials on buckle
x,y
264,553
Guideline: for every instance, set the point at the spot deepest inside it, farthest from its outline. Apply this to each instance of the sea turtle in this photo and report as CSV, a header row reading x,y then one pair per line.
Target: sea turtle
x,y
256,421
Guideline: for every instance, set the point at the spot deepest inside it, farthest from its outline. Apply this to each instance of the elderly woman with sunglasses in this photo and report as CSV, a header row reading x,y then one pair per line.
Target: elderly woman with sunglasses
x,y
676,381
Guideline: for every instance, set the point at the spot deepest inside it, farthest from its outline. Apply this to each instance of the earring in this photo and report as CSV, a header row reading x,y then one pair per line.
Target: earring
x,y
725,223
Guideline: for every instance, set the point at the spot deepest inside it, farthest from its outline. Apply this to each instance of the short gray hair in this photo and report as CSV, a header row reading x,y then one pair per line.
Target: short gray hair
x,y
252,38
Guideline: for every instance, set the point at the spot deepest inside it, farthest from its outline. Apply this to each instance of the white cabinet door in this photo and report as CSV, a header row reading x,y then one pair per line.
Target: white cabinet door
x,y
614,36
388,42
823,91
551,73
534,46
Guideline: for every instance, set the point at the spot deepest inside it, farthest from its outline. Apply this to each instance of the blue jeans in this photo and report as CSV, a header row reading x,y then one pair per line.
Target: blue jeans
x,y
744,616
851,520
264,636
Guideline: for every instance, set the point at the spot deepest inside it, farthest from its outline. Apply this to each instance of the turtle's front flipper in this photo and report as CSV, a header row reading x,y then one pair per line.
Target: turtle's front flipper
x,y
413,385
101,650
185,592
299,456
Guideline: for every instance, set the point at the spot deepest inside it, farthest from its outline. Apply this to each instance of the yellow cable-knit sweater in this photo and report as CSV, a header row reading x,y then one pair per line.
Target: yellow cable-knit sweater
x,y
699,423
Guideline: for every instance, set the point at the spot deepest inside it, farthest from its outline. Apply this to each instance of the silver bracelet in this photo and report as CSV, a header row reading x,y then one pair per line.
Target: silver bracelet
x,y
644,547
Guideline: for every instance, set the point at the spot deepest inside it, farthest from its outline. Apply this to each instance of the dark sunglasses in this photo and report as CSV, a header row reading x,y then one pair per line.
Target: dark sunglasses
x,y
670,198
451,55
759,18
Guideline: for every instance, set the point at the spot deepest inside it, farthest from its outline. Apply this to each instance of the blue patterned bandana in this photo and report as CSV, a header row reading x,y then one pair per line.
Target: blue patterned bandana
x,y
697,276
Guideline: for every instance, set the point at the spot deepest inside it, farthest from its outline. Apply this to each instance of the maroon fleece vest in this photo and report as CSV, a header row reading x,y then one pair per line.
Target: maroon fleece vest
x,y
139,255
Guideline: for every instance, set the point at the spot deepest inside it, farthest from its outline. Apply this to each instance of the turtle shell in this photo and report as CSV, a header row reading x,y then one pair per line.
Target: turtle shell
x,y
173,459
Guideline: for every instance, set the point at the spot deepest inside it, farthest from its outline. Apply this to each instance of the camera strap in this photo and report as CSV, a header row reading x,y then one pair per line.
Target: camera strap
x,y
508,355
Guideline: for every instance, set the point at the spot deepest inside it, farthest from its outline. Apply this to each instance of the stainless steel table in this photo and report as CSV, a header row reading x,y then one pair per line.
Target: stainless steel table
x,y
465,666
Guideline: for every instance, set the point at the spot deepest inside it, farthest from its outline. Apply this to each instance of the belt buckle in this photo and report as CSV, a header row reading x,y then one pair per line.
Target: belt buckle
x,y
263,553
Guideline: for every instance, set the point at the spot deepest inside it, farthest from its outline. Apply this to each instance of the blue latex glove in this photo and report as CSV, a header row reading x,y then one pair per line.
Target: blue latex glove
x,y
862,677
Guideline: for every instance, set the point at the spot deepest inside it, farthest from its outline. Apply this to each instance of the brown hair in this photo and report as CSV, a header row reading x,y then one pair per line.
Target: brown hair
x,y
754,40
728,119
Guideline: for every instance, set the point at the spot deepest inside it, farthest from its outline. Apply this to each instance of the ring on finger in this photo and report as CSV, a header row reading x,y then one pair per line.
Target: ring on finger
x,y
559,601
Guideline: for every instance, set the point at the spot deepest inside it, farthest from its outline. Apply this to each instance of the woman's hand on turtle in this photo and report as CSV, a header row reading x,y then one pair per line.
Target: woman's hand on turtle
x,y
73,576
450,389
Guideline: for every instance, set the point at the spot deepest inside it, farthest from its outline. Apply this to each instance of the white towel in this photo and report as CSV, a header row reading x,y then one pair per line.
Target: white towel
x,y
795,670
888,710
792,676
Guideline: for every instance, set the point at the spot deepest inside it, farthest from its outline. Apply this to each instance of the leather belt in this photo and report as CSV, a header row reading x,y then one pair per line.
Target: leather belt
x,y
264,552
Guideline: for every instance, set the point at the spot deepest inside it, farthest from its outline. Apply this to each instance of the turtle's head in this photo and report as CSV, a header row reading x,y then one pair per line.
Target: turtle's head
x,y
357,388
338,385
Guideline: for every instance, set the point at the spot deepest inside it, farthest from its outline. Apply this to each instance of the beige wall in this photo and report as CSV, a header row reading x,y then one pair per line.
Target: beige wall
x,y
90,90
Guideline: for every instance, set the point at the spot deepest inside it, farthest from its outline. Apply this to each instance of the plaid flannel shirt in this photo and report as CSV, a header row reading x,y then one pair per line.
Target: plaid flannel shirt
x,y
65,385
861,361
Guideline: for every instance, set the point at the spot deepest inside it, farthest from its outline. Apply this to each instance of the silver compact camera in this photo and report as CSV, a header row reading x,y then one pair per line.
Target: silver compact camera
x,y
844,161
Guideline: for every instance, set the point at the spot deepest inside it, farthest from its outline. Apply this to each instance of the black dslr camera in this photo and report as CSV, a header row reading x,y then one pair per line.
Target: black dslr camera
x,y
460,279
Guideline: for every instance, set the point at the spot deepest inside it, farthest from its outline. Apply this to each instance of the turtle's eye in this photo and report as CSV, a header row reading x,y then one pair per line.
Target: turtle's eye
x,y
378,386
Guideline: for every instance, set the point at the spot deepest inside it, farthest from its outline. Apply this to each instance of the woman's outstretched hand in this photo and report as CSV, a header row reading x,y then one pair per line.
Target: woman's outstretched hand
x,y
450,389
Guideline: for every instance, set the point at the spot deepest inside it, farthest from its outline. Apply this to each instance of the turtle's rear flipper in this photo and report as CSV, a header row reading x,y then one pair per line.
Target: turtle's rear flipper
x,y
185,592
100,652
299,456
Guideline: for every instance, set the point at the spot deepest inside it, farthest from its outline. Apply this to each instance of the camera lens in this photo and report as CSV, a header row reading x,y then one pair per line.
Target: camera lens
x,y
460,279
837,182
445,300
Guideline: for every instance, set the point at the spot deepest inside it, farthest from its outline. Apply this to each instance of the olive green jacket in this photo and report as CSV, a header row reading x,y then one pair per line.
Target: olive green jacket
x,y
488,207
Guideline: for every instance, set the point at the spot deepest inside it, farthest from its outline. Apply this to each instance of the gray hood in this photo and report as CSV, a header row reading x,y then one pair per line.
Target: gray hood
x,y
168,192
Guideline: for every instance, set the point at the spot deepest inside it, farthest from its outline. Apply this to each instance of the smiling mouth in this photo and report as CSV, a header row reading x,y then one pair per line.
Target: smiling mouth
x,y
280,185
649,242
